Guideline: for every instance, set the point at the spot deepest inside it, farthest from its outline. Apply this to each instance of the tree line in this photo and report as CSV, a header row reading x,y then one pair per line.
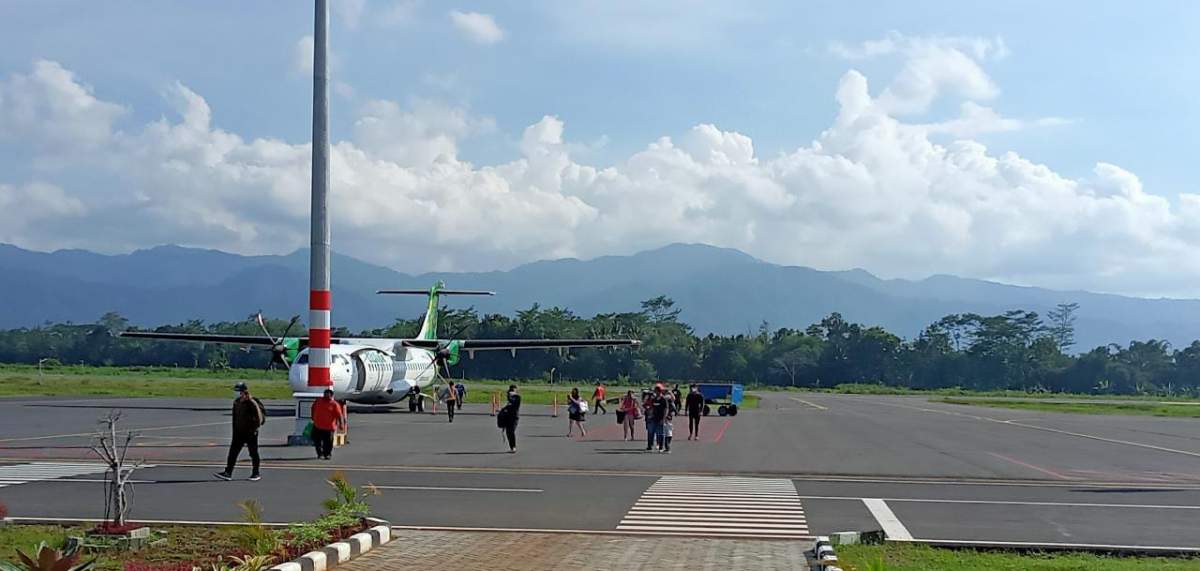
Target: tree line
x,y
1016,350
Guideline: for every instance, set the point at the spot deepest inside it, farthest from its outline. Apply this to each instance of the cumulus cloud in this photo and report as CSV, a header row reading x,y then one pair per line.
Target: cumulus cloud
x,y
479,28
302,55
51,109
873,190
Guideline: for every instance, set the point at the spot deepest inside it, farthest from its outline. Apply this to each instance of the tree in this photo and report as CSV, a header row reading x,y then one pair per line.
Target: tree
x,y
660,309
115,453
1062,325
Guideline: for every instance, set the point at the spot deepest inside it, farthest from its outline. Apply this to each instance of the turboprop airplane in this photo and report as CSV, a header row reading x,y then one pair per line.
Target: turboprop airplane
x,y
369,370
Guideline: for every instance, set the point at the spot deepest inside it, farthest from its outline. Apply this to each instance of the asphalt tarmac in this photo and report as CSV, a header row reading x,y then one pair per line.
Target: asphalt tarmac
x,y
921,470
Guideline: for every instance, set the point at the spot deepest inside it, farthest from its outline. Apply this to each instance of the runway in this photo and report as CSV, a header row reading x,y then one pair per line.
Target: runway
x,y
800,465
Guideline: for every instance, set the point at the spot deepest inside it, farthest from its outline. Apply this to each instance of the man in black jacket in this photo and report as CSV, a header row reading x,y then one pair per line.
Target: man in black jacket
x,y
248,415
509,415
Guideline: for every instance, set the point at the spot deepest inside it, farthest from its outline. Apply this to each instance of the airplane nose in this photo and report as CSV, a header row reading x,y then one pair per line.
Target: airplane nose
x,y
298,378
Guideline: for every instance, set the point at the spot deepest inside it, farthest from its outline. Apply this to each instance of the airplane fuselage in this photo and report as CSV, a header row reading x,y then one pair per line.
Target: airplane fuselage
x,y
368,371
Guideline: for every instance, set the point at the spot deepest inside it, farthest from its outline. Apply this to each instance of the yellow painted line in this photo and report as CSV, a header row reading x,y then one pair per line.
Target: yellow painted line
x,y
814,405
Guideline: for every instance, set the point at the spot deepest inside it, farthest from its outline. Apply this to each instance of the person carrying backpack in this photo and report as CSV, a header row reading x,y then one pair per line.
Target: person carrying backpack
x,y
249,414
576,413
508,417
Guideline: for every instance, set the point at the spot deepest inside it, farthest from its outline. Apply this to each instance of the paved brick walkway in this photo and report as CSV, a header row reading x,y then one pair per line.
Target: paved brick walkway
x,y
511,551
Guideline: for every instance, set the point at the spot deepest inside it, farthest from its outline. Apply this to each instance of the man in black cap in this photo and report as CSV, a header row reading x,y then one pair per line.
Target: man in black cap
x,y
248,415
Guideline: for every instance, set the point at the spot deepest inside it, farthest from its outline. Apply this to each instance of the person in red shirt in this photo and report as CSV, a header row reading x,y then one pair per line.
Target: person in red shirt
x,y
598,396
327,417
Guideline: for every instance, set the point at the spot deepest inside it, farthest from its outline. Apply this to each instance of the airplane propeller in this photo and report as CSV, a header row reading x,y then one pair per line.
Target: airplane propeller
x,y
279,346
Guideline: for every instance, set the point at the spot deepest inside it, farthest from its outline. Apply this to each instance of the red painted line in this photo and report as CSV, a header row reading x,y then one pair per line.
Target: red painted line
x,y
1031,466
318,338
320,299
721,433
609,431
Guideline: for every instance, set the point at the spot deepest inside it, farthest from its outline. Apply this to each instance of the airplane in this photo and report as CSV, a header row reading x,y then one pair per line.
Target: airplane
x,y
370,370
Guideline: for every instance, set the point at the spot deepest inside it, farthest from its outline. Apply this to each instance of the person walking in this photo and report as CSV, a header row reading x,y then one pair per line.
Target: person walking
x,y
451,400
509,415
694,406
598,397
460,390
576,413
659,406
327,417
249,415
629,408
678,396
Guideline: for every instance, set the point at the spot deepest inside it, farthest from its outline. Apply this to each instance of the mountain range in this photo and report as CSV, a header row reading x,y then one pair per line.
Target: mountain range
x,y
719,290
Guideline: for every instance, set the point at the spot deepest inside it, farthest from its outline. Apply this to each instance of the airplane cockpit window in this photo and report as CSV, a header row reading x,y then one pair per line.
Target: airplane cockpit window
x,y
303,359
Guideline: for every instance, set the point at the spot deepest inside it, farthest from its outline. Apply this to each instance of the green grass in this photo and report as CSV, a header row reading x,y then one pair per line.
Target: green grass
x,y
902,557
184,544
22,380
1125,408
877,389
82,380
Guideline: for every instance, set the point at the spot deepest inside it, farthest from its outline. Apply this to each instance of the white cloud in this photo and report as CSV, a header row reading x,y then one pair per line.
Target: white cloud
x,y
350,11
871,191
51,108
302,55
479,28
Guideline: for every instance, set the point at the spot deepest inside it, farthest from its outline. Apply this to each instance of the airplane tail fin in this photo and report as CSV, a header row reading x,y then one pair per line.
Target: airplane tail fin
x,y
429,325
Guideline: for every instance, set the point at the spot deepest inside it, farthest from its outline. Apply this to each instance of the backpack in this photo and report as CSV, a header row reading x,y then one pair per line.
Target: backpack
x,y
503,418
262,411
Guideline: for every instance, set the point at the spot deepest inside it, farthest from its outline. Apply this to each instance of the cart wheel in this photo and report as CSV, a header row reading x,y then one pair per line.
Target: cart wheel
x,y
706,410
733,410
722,410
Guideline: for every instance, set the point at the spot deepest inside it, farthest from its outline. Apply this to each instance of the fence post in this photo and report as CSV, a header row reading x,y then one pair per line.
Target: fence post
x,y
555,411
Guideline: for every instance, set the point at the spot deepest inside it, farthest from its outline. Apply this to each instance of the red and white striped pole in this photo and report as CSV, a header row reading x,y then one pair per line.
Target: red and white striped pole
x,y
319,300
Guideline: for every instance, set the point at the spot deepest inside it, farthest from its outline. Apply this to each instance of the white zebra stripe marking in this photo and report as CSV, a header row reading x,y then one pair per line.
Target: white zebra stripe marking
x,y
718,506
15,474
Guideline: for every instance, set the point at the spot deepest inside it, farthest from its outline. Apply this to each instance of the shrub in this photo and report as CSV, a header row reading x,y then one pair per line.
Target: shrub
x,y
254,537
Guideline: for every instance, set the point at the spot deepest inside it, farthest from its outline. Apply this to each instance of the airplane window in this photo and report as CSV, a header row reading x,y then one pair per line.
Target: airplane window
x,y
303,359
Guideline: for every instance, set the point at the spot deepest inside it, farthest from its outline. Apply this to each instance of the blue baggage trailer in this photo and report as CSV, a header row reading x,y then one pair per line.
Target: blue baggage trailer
x,y
726,396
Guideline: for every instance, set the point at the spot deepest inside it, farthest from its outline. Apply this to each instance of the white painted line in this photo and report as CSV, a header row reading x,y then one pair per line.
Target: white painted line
x,y
694,531
713,526
743,519
814,405
717,510
888,520
451,489
1013,503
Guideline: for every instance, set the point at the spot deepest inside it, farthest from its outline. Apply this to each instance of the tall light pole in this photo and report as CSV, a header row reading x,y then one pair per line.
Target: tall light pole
x,y
319,299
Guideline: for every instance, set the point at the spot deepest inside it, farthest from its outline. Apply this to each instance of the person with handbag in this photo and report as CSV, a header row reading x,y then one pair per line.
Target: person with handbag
x,y
628,411
576,413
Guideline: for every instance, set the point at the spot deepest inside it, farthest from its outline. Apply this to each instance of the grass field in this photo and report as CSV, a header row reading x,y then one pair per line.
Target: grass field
x,y
1185,410
77,380
874,389
903,557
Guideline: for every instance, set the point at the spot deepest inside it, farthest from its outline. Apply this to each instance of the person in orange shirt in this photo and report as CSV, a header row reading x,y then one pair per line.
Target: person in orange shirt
x,y
327,417
598,396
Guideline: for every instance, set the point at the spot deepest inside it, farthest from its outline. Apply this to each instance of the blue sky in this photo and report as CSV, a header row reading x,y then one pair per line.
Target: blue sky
x,y
1080,83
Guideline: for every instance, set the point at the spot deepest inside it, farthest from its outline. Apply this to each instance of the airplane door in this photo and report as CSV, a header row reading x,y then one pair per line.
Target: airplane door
x,y
360,368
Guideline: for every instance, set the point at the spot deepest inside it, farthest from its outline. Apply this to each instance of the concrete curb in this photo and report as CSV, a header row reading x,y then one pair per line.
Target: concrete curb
x,y
335,554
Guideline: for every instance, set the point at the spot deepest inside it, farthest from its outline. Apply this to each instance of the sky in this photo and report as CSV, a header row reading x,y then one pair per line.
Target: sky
x,y
1034,143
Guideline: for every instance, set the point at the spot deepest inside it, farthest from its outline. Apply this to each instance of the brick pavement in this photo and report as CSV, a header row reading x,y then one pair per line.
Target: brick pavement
x,y
513,551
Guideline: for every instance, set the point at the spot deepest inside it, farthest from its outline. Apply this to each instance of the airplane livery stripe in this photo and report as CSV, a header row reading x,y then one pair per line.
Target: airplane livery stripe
x,y
718,507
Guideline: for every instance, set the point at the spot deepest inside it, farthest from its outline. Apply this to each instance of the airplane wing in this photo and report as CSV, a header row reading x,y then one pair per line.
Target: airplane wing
x,y
209,338
472,345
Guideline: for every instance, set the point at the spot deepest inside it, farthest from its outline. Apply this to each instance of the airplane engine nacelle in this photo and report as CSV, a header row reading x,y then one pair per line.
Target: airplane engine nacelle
x,y
372,370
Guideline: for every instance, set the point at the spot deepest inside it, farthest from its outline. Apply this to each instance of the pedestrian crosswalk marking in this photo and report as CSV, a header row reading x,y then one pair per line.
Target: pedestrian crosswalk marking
x,y
14,474
718,506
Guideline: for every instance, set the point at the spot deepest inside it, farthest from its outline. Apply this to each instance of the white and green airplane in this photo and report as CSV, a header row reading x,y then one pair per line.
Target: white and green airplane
x,y
367,370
